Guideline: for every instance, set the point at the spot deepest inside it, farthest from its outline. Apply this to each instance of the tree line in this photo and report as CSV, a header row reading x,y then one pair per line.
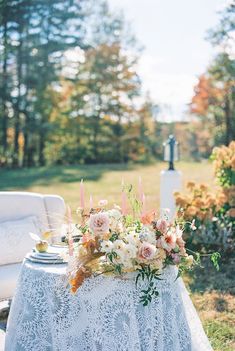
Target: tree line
x,y
214,98
70,91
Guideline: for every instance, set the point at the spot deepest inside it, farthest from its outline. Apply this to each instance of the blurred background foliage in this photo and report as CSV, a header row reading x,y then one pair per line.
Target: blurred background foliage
x,y
70,91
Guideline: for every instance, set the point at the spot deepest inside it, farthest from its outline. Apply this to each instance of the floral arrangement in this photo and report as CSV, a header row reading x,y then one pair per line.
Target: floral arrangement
x,y
199,203
213,212
115,242
210,212
224,164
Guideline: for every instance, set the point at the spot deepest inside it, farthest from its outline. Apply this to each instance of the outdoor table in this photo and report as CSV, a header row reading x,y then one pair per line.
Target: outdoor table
x,y
104,315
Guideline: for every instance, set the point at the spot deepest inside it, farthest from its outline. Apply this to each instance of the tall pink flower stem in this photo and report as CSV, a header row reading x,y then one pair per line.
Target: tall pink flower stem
x,y
91,202
70,238
143,203
140,189
124,200
82,195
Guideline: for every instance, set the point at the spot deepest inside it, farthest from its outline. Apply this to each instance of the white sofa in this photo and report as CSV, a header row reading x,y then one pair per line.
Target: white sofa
x,y
20,213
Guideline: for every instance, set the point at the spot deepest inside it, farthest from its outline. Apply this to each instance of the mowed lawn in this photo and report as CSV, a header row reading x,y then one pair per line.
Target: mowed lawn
x,y
212,293
101,181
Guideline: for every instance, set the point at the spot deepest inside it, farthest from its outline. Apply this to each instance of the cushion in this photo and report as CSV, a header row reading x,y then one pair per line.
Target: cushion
x,y
15,240
17,205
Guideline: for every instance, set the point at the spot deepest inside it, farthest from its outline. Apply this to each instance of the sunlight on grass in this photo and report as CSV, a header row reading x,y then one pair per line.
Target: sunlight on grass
x,y
104,181
101,181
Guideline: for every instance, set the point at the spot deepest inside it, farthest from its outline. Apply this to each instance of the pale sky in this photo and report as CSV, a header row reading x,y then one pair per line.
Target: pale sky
x,y
173,33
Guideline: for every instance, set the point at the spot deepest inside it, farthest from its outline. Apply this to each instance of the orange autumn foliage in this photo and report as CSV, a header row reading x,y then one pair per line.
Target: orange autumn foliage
x,y
199,202
205,94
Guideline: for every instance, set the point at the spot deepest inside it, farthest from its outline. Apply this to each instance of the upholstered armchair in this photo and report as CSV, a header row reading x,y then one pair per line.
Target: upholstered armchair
x,y
21,213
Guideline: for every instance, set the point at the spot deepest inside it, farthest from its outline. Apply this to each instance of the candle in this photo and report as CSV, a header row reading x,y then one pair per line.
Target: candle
x,y
91,202
124,205
140,188
123,184
82,195
70,238
124,202
143,203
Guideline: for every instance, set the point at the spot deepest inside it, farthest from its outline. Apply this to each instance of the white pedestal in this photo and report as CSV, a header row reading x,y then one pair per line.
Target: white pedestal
x,y
170,181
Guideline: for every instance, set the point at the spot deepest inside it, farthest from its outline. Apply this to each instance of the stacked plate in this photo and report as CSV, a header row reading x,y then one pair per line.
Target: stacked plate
x,y
49,257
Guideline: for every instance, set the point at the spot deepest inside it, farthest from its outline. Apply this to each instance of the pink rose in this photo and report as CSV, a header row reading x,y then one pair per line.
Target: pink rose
x,y
99,223
162,225
147,251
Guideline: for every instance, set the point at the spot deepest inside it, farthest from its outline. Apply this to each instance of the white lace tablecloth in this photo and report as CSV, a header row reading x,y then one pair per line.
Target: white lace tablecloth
x,y
104,315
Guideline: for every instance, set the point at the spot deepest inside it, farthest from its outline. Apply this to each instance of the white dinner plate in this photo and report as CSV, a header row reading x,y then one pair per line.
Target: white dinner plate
x,y
45,255
44,260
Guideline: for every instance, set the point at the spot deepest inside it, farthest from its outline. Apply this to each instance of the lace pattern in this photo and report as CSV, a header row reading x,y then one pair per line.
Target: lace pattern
x,y
104,315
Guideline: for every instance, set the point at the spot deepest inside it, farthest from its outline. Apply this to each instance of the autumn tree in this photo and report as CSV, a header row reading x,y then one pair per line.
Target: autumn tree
x,y
102,94
34,35
214,98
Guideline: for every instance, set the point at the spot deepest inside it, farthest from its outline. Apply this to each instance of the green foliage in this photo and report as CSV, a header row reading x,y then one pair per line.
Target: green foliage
x,y
145,273
111,256
69,85
215,257
114,237
134,202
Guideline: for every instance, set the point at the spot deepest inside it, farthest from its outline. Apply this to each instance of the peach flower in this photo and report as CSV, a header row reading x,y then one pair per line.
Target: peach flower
x,y
162,225
148,218
168,241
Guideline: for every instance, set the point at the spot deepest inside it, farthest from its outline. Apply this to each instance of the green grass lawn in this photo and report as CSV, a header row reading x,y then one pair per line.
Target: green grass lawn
x,y
101,181
212,292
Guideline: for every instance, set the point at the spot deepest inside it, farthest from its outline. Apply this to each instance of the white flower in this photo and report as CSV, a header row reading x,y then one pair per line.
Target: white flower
x,y
127,263
125,253
106,246
133,238
192,225
131,250
118,245
115,218
147,235
115,214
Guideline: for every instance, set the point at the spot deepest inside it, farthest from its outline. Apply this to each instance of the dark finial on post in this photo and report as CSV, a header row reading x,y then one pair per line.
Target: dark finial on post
x,y
171,152
172,149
